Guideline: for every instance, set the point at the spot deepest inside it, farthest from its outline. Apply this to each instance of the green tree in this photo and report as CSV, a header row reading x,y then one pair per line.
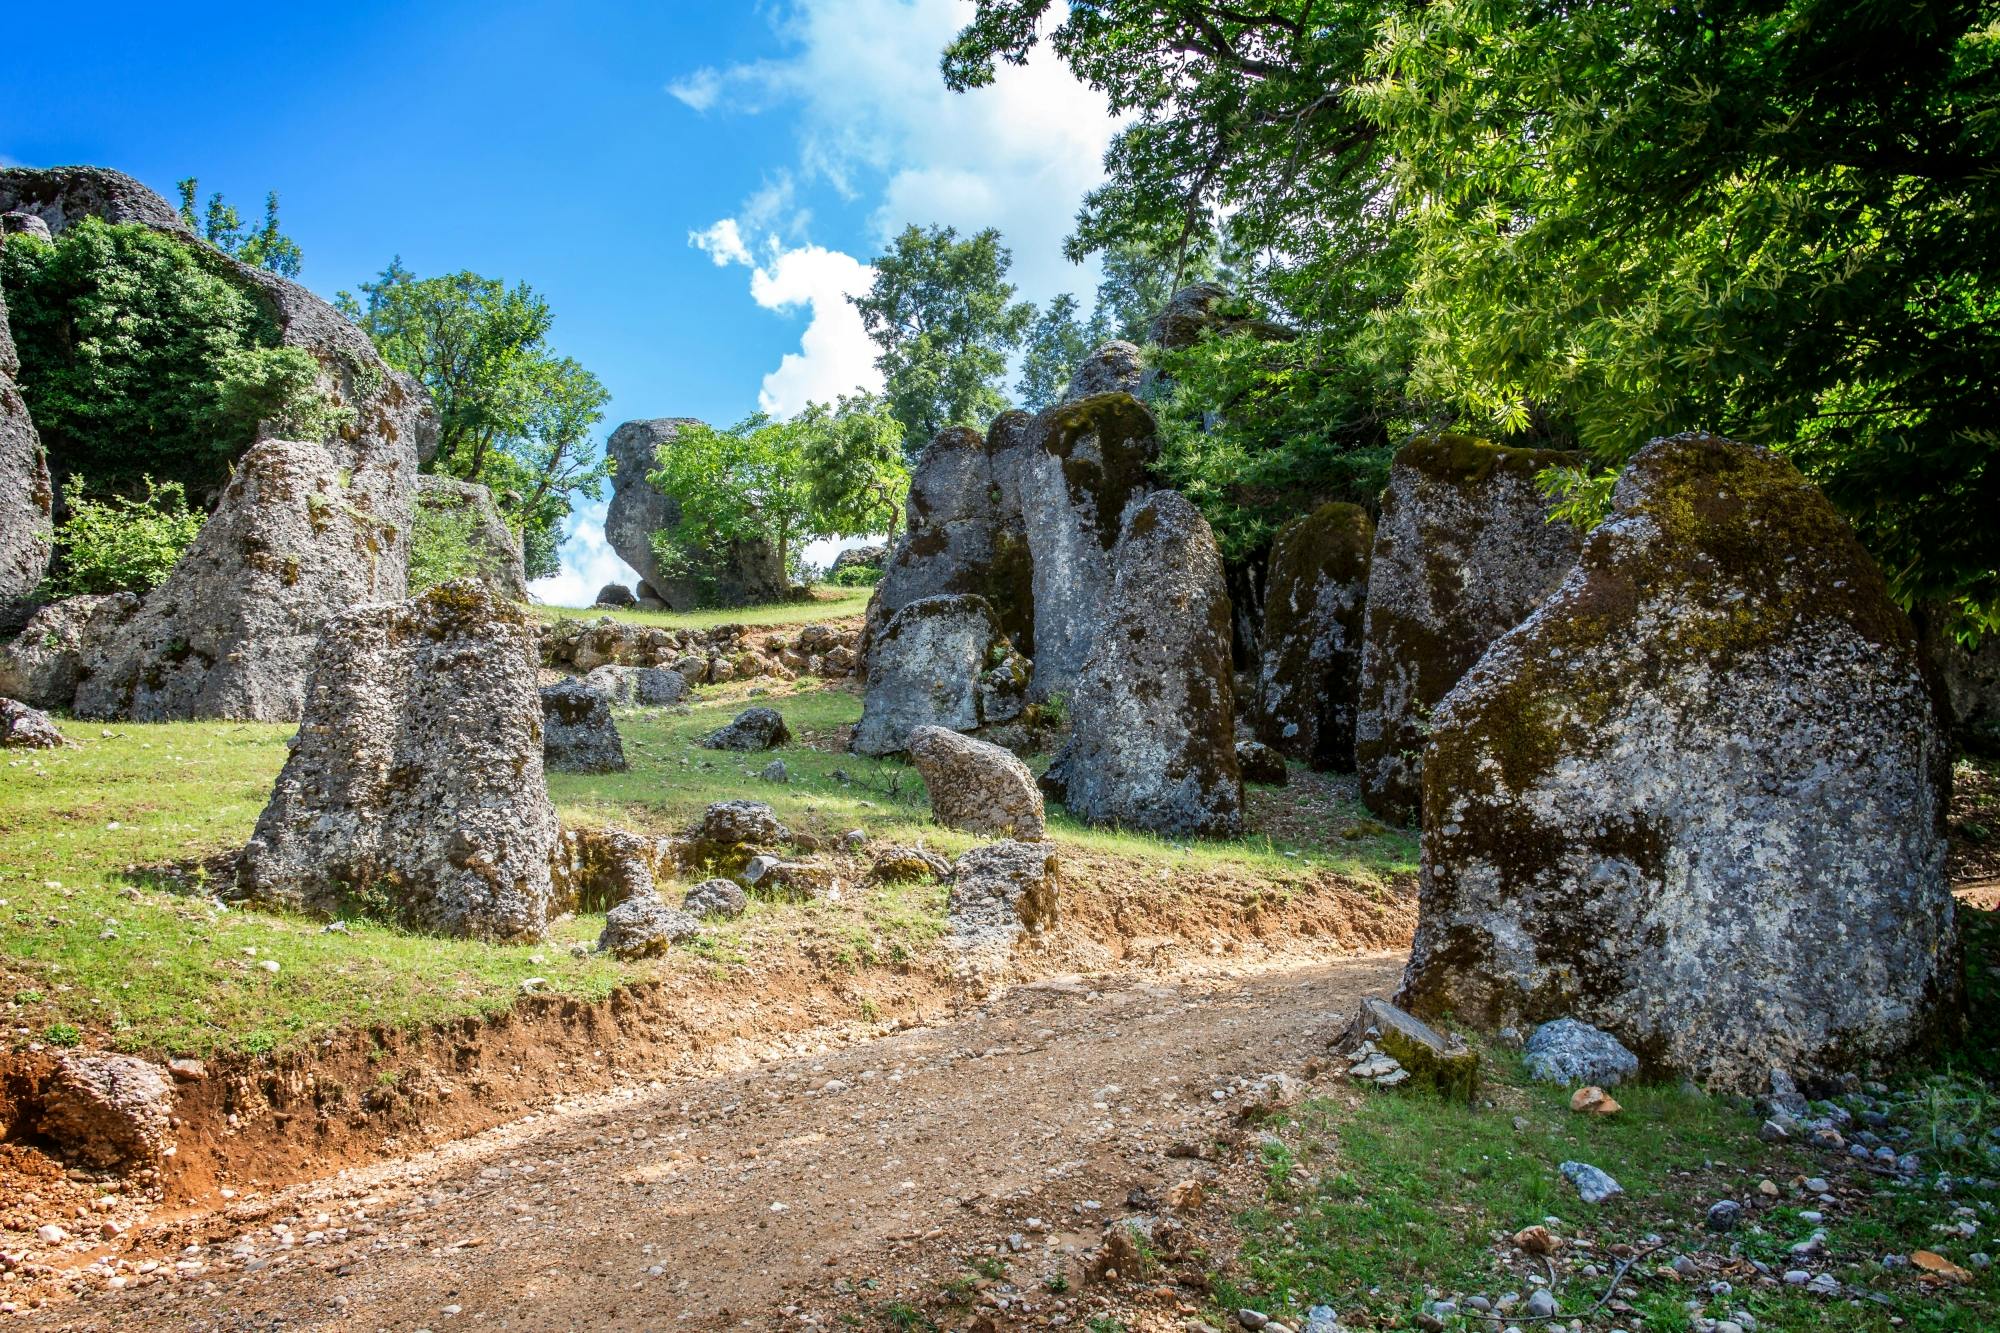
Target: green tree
x,y
943,313
513,416
219,224
854,466
1056,341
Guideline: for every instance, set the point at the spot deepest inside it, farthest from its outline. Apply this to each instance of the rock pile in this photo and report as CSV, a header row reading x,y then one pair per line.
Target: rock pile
x,y
939,662
1315,602
578,735
977,787
1699,773
414,790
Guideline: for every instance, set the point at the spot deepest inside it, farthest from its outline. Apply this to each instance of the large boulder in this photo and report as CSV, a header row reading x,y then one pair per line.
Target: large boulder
x,y
496,548
977,787
44,663
1315,603
1091,459
299,537
1153,742
25,493
578,735
1463,553
940,662
964,533
1698,799
414,790
735,574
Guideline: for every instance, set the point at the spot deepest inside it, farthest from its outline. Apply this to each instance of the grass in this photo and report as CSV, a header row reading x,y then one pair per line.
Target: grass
x,y
829,602
109,931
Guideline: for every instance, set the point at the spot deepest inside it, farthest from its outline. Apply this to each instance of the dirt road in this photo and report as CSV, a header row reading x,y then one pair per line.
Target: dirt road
x,y
987,1151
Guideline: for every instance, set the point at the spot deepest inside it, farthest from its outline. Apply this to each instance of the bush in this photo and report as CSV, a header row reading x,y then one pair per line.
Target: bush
x,y
120,544
443,545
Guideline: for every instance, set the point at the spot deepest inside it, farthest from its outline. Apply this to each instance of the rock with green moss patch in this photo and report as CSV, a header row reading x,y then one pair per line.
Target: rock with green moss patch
x,y
1315,604
1697,800
1463,553
414,790
1153,741
940,662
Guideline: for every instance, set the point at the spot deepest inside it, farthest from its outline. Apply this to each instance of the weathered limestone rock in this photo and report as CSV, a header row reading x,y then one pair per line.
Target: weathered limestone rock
x,y
753,729
594,869
1153,741
716,897
1114,367
496,547
109,1110
963,533
1463,553
43,664
742,573
1315,603
25,493
1697,800
578,735
25,728
414,790
1002,889
939,662
644,928
977,787
638,687
1092,461
298,538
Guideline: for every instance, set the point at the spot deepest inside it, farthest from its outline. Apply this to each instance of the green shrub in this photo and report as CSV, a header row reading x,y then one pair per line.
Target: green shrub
x,y
120,544
443,545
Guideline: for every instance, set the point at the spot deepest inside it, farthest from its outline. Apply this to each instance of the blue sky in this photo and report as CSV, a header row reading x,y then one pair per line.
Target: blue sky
x,y
694,186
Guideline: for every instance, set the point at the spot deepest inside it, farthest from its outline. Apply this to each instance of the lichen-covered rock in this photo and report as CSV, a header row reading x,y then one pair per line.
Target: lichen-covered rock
x,y
730,833
1463,553
977,787
735,575
414,790
1114,367
496,548
25,493
752,729
1697,799
1153,741
1572,1053
43,664
644,928
109,1110
578,735
25,728
1092,460
939,662
1315,603
1258,762
299,537
641,687
593,869
716,897
1002,889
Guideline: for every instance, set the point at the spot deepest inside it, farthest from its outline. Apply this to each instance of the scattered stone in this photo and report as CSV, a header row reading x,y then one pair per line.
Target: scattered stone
x,y
1001,889
414,789
1258,762
902,865
1315,605
1724,1215
108,1110
975,786
578,735
495,547
753,729
25,728
941,661
644,928
1592,1185
1692,776
643,687
716,897
1569,1051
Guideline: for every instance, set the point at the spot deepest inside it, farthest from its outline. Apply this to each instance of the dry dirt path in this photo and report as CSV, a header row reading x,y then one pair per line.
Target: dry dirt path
x,y
790,1192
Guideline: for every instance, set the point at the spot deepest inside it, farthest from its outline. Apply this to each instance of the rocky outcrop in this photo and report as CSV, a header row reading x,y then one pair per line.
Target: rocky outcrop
x,y
25,493
578,735
298,538
737,574
25,728
1092,460
1153,741
46,661
106,1110
638,687
964,532
1315,604
1114,367
414,790
939,662
1463,553
496,548
752,729
1697,799
977,787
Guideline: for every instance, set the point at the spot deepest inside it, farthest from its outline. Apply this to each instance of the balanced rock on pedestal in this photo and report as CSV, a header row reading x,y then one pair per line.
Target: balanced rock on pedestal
x,y
1315,605
1697,800
414,790
939,662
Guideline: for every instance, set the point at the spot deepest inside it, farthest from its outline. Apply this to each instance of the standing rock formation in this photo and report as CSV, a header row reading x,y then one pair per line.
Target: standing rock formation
x,y
25,493
1153,744
496,548
742,573
1463,553
1092,460
943,662
414,790
1698,799
1315,604
977,787
298,538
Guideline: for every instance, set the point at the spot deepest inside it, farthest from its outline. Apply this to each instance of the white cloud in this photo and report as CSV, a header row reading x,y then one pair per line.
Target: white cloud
x,y
588,563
